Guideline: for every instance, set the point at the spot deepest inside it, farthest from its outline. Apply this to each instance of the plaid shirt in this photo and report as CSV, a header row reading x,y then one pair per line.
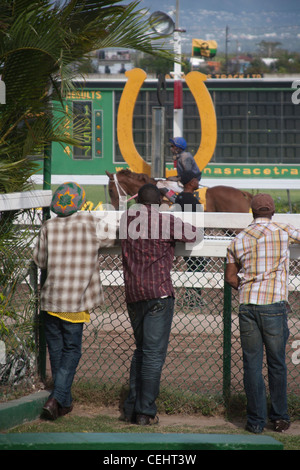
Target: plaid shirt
x,y
68,248
262,251
148,258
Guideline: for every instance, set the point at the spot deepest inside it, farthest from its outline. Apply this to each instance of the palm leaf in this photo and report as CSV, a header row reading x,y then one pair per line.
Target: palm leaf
x,y
40,43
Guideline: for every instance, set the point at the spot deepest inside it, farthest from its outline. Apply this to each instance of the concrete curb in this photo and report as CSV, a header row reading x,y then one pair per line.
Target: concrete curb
x,y
136,441
24,409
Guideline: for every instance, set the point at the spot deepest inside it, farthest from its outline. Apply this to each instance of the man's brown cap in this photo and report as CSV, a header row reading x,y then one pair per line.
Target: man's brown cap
x,y
262,204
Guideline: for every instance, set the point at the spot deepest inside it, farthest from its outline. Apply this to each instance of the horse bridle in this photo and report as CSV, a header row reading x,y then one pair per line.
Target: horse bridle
x,y
120,189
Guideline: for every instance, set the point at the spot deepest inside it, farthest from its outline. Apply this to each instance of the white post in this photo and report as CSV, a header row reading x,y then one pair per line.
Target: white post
x,y
178,106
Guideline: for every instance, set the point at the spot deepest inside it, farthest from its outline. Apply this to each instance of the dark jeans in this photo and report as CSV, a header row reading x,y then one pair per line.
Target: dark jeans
x,y
151,322
264,325
64,345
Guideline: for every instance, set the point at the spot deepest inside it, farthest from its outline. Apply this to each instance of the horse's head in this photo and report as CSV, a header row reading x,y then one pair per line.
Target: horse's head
x,y
125,182
112,190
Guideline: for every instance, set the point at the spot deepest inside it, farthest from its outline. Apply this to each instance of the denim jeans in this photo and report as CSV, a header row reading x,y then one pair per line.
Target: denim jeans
x,y
264,325
151,322
64,341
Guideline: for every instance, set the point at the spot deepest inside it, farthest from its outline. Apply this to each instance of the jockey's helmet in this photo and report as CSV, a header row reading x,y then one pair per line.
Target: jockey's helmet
x,y
179,142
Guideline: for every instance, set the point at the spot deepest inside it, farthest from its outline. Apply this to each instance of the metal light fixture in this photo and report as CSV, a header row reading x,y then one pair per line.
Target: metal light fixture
x,y
162,23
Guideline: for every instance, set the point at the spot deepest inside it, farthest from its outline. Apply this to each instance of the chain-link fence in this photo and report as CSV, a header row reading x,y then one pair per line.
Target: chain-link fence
x,y
204,355
18,299
195,354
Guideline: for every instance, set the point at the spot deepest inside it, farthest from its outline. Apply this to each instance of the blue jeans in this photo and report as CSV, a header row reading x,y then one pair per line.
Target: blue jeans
x,y
264,325
64,341
151,322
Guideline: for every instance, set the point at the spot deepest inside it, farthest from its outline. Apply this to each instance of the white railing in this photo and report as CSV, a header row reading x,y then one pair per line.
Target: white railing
x,y
216,246
25,200
211,247
241,183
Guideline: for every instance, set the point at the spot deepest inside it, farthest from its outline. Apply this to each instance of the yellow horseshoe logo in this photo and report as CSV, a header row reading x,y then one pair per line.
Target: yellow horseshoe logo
x,y
128,150
195,82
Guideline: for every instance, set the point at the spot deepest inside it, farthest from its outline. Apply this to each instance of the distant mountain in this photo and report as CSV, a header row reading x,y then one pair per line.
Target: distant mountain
x,y
249,22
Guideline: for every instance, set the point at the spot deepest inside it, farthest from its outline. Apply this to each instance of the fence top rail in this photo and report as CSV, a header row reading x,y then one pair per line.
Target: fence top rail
x,y
242,220
25,200
241,183
217,246
253,183
224,220
209,248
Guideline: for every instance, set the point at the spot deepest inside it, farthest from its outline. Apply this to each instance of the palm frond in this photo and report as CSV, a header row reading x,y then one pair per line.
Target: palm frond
x,y
40,43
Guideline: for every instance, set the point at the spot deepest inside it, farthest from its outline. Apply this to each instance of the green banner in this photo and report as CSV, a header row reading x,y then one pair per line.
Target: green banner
x,y
214,170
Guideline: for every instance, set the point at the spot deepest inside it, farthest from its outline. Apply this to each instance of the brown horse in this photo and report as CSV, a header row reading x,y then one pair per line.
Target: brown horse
x,y
218,198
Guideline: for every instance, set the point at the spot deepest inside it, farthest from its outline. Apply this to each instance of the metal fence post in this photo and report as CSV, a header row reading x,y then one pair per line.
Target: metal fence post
x,y
46,215
226,341
47,176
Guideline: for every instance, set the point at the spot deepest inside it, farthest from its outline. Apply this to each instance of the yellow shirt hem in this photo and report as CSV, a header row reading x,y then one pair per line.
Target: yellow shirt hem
x,y
73,317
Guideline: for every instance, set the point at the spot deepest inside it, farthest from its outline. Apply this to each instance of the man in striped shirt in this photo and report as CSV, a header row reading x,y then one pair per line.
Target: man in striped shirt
x,y
258,267
148,240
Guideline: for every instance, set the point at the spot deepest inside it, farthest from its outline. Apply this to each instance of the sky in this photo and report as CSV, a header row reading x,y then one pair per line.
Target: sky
x,y
249,22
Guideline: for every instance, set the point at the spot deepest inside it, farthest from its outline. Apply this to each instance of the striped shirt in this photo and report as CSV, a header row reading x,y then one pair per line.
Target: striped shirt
x,y
262,252
68,248
148,243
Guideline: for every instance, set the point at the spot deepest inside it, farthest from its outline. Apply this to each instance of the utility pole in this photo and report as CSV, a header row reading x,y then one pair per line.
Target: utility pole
x,y
178,92
226,48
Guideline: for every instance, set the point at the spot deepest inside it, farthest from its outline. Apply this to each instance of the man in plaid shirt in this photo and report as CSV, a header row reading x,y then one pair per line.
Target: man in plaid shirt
x,y
148,239
258,266
68,249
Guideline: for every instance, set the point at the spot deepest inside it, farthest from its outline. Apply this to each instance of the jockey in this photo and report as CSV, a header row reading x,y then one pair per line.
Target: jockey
x,y
183,161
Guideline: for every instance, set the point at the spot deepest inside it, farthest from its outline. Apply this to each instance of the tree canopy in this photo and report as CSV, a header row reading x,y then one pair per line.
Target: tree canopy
x,y
41,41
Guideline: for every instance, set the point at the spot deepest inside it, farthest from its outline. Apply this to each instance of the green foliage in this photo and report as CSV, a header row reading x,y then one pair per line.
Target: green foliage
x,y
42,44
16,296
